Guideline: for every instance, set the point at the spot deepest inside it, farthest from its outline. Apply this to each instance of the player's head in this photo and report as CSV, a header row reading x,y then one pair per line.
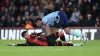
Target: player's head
x,y
25,34
38,22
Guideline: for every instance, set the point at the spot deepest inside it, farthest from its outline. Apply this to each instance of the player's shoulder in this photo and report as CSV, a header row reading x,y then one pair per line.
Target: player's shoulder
x,y
55,12
52,13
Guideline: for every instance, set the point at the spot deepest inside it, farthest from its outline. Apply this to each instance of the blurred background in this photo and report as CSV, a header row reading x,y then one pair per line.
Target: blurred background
x,y
18,13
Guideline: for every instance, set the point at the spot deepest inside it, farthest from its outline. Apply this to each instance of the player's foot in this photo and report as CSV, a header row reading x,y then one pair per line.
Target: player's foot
x,y
84,38
77,44
69,41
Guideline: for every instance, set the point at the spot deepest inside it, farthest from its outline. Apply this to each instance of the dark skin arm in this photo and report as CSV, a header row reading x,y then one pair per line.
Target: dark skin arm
x,y
24,44
48,31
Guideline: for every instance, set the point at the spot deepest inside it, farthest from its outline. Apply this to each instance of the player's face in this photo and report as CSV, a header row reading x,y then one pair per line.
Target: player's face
x,y
26,36
40,23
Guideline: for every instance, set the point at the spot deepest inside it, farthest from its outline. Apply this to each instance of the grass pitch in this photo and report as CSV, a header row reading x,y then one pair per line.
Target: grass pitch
x,y
92,48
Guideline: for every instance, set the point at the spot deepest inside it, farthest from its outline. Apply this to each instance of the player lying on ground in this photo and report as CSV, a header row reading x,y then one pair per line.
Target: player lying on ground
x,y
36,39
59,19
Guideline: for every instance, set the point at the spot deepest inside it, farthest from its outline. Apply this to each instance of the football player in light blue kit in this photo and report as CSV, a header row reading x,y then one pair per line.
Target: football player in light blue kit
x,y
59,19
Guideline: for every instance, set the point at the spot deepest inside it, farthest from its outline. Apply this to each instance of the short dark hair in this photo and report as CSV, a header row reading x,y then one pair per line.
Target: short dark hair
x,y
23,33
38,19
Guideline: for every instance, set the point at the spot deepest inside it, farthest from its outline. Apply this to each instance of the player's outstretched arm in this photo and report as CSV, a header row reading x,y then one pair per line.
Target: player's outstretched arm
x,y
10,44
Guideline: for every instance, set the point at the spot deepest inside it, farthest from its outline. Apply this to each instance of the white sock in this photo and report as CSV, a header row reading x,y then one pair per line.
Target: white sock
x,y
66,36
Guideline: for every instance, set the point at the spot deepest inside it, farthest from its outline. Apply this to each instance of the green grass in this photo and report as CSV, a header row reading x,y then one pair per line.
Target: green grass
x,y
92,48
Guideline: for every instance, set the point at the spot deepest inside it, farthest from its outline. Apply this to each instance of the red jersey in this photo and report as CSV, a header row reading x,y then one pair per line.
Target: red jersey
x,y
37,40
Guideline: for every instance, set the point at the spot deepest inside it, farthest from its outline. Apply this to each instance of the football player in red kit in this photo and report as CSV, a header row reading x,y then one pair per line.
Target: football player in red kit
x,y
36,39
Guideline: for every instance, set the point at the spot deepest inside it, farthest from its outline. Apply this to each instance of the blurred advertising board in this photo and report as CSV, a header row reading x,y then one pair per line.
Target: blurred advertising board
x,y
15,33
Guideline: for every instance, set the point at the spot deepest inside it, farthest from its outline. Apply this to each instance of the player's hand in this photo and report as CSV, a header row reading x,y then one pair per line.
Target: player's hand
x,y
10,44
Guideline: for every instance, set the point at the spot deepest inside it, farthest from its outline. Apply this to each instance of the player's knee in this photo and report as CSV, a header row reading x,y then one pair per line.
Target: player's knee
x,y
67,30
55,29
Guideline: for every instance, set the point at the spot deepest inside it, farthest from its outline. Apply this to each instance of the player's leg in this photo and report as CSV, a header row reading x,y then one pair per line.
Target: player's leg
x,y
75,33
61,43
70,44
52,38
65,26
54,29
61,34
63,23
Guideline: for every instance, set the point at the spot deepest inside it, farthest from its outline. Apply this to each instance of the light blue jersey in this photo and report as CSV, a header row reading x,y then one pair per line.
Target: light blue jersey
x,y
50,18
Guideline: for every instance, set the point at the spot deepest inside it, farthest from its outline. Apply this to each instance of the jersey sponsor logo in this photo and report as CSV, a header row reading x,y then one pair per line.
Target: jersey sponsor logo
x,y
57,19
